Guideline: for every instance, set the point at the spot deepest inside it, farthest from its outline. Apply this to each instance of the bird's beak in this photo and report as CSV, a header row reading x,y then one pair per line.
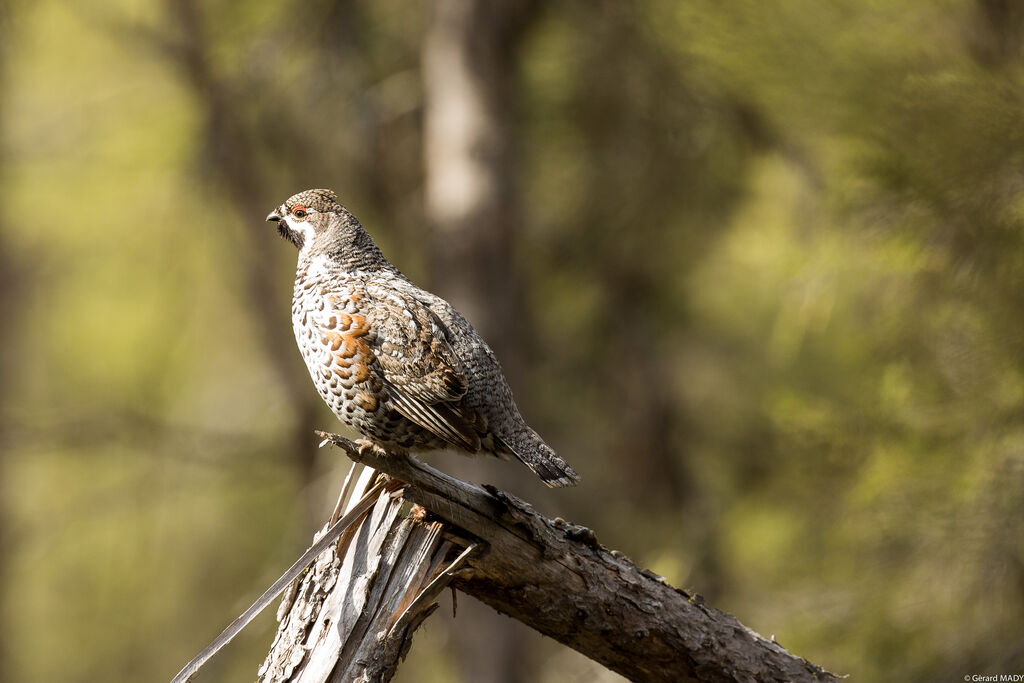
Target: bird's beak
x,y
274,216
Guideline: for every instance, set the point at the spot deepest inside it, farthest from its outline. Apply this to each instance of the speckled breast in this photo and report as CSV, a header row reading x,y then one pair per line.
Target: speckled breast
x,y
332,319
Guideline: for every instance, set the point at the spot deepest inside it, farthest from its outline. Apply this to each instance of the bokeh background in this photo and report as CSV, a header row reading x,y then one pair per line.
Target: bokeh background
x,y
754,268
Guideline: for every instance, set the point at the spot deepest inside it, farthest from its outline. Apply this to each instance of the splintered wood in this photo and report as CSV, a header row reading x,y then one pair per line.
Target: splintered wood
x,y
351,615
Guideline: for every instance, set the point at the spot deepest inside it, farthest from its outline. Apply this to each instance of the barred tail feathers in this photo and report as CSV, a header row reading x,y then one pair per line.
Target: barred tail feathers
x,y
527,446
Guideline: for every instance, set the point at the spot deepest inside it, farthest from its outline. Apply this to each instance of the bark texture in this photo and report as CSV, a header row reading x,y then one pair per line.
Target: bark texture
x,y
556,578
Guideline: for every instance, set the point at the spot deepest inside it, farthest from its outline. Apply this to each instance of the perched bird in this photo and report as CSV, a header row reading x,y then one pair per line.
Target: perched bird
x,y
397,363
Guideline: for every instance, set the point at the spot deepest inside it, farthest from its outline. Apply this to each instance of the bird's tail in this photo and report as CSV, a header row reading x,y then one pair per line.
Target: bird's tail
x,y
527,446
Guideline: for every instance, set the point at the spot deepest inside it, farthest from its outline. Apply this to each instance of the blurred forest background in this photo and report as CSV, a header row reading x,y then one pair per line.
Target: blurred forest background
x,y
754,268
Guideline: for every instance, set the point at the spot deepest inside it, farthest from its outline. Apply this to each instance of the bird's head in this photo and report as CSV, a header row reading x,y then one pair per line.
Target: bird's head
x,y
305,218
318,225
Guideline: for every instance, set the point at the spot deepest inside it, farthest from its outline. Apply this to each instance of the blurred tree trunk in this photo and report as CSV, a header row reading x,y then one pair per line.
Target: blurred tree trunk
x,y
8,323
995,38
230,154
471,191
7,315
470,58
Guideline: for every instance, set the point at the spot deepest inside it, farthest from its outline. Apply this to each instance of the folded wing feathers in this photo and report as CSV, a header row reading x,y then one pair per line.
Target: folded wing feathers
x,y
441,419
424,376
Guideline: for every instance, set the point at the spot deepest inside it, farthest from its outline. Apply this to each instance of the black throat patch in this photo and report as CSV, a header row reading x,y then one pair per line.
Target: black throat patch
x,y
292,236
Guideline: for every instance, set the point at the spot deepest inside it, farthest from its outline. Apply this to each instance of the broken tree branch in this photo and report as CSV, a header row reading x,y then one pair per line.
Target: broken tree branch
x,y
556,578
352,615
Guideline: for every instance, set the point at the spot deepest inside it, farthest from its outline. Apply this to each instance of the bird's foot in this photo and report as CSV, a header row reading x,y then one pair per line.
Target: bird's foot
x,y
365,446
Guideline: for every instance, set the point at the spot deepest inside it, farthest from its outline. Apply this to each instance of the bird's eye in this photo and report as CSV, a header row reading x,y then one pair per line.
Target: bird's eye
x,y
299,211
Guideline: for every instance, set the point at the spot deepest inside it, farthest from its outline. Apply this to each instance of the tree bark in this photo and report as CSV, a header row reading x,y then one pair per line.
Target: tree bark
x,y
556,578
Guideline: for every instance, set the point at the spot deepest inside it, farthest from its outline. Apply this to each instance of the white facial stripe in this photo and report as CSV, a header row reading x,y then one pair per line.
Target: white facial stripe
x,y
302,228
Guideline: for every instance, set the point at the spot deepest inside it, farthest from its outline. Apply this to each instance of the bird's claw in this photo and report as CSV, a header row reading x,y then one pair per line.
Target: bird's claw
x,y
365,445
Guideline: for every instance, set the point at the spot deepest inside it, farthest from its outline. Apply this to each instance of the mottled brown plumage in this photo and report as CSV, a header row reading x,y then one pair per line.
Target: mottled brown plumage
x,y
397,363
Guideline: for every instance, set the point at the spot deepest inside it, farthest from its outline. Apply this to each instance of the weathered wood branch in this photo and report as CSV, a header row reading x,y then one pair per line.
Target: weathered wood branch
x,y
558,579
351,616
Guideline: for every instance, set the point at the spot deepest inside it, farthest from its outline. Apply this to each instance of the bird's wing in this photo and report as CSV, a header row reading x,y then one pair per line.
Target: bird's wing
x,y
422,373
